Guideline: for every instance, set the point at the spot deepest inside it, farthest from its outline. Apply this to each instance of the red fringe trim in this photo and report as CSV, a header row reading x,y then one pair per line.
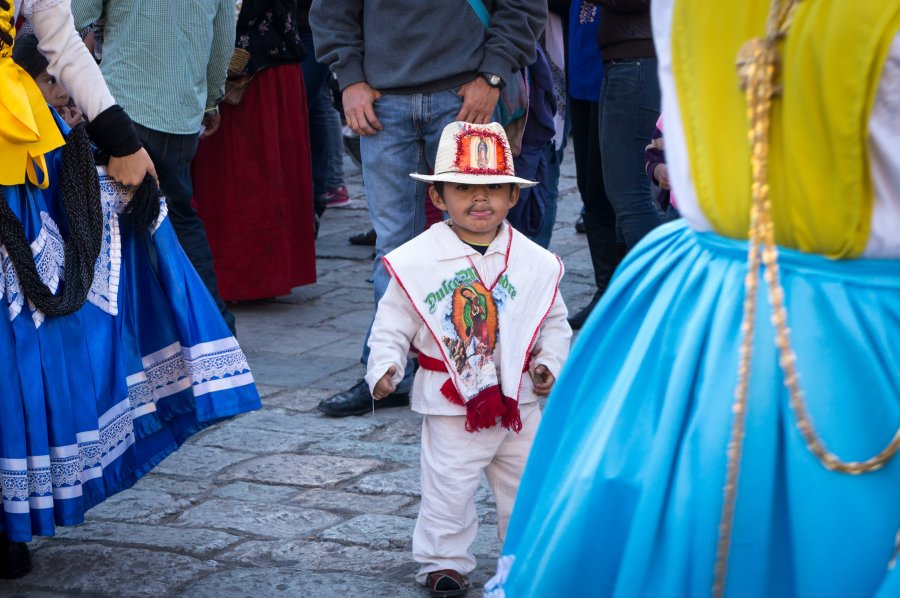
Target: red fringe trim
x,y
484,408
511,420
451,394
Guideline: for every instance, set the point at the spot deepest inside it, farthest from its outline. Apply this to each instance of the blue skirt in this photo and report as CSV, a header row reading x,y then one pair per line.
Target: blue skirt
x,y
623,492
92,401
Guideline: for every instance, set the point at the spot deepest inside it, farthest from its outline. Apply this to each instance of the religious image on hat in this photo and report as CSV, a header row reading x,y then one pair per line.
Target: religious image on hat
x,y
474,154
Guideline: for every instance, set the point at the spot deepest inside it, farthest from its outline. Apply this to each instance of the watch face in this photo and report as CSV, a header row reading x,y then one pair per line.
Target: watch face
x,y
495,80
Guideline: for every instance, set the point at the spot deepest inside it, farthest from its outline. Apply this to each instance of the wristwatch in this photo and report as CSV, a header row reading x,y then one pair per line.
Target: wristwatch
x,y
494,80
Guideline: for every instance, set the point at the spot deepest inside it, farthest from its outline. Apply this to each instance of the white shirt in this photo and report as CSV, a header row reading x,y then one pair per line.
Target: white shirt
x,y
70,61
397,326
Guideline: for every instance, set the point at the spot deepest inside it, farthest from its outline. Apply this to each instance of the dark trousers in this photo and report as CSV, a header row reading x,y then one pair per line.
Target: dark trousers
x,y
172,156
629,108
315,77
599,216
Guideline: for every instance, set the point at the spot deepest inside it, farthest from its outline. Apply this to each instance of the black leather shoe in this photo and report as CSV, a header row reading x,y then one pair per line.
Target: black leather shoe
x,y
15,560
358,401
578,320
366,238
579,225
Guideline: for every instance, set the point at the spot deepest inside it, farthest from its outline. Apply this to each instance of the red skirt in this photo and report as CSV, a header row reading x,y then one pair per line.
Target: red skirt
x,y
253,190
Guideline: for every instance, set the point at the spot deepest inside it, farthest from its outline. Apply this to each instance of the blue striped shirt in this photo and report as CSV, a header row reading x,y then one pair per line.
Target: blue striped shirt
x,y
163,60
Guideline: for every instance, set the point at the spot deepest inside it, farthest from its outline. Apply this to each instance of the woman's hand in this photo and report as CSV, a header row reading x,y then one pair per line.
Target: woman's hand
x,y
130,170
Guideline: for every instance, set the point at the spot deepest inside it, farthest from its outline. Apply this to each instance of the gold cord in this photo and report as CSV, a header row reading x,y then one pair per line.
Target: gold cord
x,y
758,63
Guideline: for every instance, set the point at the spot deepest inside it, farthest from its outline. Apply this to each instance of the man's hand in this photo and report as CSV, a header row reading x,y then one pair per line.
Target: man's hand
x,y
384,386
211,124
359,108
543,380
131,170
479,102
661,174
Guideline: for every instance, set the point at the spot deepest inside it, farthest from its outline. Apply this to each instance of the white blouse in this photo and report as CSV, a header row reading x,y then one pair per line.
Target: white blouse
x,y
70,61
884,143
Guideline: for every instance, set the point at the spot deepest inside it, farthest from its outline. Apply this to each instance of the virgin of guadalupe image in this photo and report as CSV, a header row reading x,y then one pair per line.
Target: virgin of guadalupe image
x,y
474,317
482,154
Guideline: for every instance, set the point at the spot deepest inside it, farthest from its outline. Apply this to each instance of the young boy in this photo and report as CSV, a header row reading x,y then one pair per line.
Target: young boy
x,y
481,304
27,56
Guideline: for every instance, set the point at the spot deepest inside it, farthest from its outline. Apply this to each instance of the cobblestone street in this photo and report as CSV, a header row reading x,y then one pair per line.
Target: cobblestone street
x,y
284,501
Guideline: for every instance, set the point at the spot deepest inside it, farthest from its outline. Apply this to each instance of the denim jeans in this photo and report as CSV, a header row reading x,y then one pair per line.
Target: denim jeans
x,y
321,116
629,108
553,160
412,126
172,156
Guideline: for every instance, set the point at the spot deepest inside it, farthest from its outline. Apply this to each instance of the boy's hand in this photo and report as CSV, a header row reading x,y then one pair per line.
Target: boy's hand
x,y
661,174
359,108
543,380
384,387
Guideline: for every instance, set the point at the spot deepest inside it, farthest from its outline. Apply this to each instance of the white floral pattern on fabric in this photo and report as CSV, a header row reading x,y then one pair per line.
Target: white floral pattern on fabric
x,y
68,466
104,291
48,251
163,214
29,7
14,479
175,368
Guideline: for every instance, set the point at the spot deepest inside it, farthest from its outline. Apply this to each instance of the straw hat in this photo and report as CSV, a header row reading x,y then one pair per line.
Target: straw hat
x,y
474,154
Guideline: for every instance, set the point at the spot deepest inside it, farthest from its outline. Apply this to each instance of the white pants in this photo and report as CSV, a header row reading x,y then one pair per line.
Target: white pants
x,y
452,462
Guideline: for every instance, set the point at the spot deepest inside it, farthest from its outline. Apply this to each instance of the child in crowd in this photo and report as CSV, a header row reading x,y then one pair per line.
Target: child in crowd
x,y
27,56
658,171
456,290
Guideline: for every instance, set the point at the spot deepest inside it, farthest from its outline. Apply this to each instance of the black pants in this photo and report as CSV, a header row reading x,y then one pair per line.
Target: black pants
x,y
599,216
172,156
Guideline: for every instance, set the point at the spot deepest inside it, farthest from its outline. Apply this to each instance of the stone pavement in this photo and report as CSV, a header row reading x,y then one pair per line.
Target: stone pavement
x,y
284,501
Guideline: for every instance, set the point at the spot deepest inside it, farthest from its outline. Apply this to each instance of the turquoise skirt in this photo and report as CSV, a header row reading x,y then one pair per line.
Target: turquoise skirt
x,y
623,491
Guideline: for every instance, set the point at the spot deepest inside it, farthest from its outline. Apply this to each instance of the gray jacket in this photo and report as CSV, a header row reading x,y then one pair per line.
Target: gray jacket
x,y
423,45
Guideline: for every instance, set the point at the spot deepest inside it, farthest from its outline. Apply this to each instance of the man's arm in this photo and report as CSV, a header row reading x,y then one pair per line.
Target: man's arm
x,y
224,26
511,36
338,38
86,12
337,35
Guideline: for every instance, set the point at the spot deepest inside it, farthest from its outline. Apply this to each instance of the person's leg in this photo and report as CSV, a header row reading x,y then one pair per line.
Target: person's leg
x,y
553,162
452,460
599,216
580,113
411,128
629,108
172,156
15,559
315,75
504,473
335,170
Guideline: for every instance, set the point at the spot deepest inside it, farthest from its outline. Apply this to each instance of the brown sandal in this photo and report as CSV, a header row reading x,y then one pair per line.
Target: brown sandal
x,y
447,583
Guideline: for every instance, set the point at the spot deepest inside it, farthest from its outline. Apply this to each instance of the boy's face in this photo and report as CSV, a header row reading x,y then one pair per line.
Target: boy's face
x,y
54,93
476,210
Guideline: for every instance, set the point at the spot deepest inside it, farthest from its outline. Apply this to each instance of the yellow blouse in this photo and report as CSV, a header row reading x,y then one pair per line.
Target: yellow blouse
x,y
820,179
27,129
